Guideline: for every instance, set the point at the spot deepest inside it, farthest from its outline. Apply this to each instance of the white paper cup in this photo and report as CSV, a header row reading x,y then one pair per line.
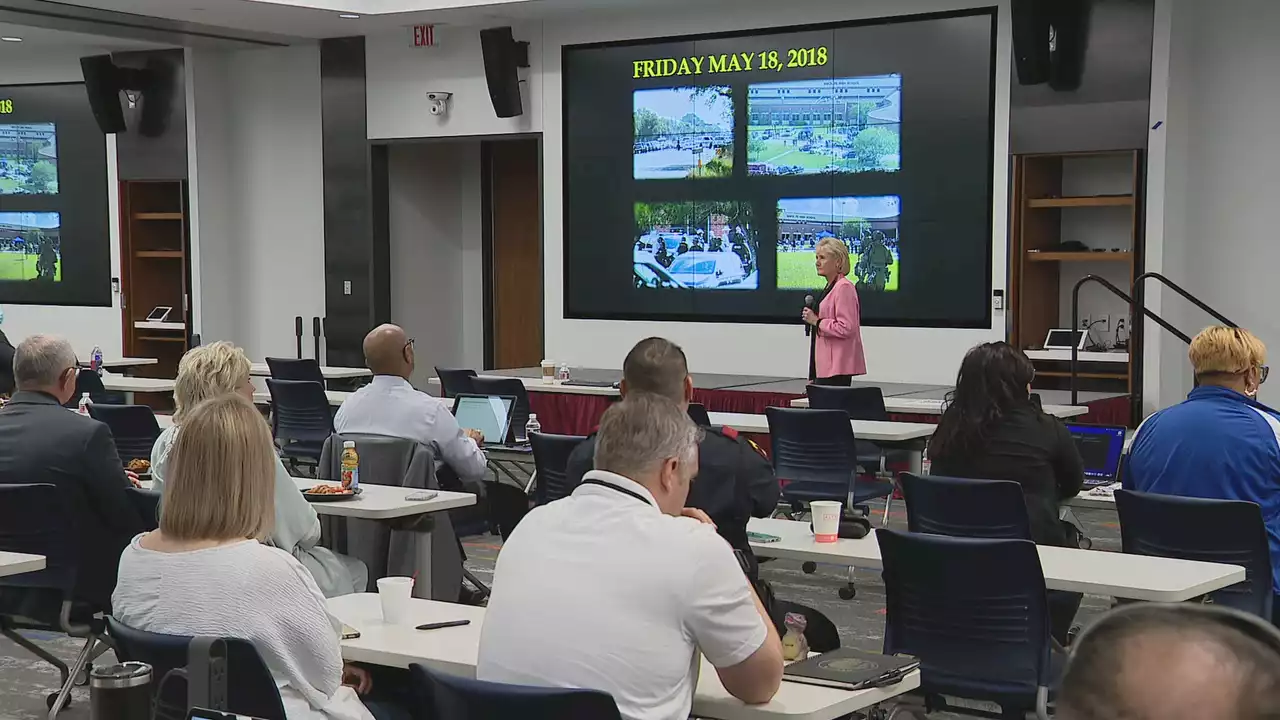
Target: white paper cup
x,y
826,520
548,372
395,592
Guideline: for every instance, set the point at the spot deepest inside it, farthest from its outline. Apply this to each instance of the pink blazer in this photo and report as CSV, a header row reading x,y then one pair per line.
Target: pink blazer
x,y
838,350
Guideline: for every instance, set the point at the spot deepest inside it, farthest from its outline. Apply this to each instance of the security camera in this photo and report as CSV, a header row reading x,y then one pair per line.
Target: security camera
x,y
439,102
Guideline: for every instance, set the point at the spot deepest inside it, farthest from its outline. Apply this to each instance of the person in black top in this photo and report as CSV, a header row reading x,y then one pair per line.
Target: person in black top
x,y
734,483
992,430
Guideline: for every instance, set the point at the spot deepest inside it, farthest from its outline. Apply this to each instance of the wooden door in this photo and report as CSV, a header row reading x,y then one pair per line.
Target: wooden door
x,y
514,252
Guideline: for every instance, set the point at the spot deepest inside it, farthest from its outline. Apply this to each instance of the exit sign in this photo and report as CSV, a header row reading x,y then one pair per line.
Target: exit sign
x,y
424,35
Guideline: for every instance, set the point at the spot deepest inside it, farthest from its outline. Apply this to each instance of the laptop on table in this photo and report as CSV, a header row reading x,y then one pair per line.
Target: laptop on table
x,y
1101,448
490,414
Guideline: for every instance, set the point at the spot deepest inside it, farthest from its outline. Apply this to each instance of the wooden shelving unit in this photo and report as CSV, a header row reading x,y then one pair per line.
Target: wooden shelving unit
x,y
155,240
1090,198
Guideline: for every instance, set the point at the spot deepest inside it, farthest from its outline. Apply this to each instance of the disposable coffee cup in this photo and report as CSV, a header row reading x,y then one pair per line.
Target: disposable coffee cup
x,y
826,520
395,593
548,372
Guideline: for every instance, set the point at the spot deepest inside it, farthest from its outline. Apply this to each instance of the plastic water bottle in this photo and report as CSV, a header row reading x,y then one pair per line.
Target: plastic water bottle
x,y
531,427
95,359
85,402
350,466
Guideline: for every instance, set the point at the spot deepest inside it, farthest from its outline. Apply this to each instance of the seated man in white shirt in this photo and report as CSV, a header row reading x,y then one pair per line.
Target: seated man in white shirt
x,y
615,587
391,406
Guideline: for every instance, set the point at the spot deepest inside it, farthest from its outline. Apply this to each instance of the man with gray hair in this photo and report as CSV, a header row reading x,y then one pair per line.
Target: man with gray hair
x,y
43,442
619,587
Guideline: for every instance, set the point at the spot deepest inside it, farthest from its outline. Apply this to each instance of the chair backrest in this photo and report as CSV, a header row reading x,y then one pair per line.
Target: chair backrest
x,y
961,507
133,427
457,698
384,460
148,504
974,610
508,504
251,690
1221,531
455,381
34,519
862,403
812,445
698,414
88,381
295,369
551,459
513,387
300,410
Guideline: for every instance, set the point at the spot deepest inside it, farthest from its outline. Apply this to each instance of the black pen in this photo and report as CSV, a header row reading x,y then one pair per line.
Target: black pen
x,y
439,625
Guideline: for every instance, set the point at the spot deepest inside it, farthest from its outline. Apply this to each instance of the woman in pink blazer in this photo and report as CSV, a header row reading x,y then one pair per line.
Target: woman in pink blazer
x,y
835,350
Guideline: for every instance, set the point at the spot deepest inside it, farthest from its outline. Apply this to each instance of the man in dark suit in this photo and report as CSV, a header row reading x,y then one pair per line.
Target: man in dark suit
x,y
43,442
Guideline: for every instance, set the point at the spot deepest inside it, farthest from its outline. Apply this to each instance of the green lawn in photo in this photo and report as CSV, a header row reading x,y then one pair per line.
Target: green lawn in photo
x,y
8,186
796,272
16,266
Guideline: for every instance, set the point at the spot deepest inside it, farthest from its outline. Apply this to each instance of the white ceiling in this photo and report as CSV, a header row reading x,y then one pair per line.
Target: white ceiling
x,y
36,39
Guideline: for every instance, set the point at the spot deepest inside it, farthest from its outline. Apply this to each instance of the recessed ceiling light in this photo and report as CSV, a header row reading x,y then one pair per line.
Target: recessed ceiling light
x,y
11,39
349,16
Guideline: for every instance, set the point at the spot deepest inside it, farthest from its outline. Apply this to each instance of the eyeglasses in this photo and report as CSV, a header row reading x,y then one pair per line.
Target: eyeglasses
x,y
409,344
1263,372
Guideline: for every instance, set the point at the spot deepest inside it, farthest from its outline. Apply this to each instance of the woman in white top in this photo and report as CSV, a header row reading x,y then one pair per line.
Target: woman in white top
x,y
220,368
204,571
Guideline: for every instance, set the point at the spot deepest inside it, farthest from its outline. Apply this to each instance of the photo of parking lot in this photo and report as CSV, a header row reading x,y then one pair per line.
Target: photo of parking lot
x,y
30,246
696,245
868,226
841,125
684,132
28,159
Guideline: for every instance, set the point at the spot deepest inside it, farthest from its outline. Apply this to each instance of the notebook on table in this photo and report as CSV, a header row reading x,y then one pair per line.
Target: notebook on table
x,y
850,669
1101,448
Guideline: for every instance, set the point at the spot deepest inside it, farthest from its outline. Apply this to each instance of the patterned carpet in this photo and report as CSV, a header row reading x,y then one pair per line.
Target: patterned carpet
x,y
24,681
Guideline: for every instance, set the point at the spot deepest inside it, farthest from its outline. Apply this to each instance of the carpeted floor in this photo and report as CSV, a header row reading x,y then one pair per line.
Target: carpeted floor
x,y
24,681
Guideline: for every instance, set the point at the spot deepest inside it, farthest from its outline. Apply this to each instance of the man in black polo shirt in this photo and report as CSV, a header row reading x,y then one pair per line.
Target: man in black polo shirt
x,y
734,483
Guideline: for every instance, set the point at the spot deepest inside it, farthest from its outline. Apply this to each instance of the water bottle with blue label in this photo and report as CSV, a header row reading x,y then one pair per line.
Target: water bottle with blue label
x,y
95,359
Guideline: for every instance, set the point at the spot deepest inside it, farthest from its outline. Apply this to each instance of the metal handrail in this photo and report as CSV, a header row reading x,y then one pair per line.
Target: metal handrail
x,y
1135,303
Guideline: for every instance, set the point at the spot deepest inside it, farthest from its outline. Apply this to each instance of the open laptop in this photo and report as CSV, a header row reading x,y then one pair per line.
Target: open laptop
x,y
490,414
1065,339
1101,447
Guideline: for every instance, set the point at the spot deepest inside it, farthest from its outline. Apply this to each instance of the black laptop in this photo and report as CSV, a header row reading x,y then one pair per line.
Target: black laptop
x,y
1101,447
490,414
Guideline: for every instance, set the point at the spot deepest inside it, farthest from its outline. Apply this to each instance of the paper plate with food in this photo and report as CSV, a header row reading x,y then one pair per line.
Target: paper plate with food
x,y
324,492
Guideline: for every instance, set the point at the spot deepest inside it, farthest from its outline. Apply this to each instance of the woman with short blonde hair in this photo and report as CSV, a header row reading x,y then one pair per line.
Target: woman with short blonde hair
x,y
205,573
835,347
1220,354
217,370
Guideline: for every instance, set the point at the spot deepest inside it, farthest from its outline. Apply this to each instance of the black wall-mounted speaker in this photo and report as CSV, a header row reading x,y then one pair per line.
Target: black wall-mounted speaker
x,y
1049,41
102,83
503,58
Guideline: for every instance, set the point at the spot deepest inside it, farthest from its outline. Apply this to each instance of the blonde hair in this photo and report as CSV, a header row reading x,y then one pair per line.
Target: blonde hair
x,y
208,371
221,472
838,250
1221,350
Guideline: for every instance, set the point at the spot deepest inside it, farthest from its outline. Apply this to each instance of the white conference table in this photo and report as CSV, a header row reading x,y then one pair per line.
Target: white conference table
x,y
123,362
909,435
455,651
933,406
1089,501
537,385
129,385
329,372
12,563
379,502
1136,577
336,397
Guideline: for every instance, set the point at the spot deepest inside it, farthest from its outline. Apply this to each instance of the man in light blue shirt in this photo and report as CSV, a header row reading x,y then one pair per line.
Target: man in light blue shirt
x,y
391,406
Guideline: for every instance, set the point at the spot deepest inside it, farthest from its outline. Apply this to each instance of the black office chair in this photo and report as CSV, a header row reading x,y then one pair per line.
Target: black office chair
x,y
550,461
816,453
451,697
454,381
975,612
300,419
133,427
1221,531
961,507
251,690
148,504
306,369
88,381
862,403
513,387
698,414
34,519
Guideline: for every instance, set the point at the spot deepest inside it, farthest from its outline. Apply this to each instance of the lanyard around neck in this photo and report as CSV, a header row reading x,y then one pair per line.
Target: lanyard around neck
x,y
611,486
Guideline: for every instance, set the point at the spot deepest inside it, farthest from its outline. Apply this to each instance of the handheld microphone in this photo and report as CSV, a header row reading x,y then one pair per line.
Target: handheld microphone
x,y
808,303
